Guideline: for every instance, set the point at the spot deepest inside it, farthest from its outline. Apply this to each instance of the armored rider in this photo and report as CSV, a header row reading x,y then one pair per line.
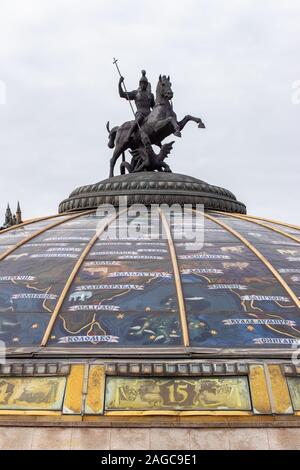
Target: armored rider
x,y
143,98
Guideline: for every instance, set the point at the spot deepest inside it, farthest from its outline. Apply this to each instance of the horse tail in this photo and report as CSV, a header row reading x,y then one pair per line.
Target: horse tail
x,y
112,135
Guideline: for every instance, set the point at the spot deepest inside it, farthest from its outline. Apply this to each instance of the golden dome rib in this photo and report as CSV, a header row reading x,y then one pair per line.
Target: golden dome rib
x,y
39,232
74,273
259,255
264,219
32,221
262,224
178,285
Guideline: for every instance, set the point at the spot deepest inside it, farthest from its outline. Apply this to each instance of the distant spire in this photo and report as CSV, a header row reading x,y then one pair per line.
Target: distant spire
x,y
19,214
8,217
12,219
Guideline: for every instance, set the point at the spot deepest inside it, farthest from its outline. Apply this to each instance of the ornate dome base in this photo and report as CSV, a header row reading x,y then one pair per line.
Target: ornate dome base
x,y
153,188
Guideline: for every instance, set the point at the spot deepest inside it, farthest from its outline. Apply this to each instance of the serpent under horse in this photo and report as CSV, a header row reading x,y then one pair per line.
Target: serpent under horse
x,y
161,123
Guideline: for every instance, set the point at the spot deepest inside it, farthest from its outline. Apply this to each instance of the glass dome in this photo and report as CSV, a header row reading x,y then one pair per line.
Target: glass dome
x,y
68,288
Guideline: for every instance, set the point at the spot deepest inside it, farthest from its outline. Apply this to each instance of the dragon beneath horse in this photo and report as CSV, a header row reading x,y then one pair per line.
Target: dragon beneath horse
x,y
145,159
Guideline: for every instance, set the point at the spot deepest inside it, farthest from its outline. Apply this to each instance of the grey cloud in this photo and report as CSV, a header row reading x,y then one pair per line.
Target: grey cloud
x,y
232,63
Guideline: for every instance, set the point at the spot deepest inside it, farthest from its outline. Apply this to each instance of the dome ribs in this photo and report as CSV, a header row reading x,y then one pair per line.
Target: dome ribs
x,y
39,232
177,278
259,255
262,224
32,221
74,274
264,219
202,293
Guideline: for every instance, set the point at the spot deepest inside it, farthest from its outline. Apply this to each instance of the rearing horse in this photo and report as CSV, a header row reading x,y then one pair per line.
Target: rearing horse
x,y
160,123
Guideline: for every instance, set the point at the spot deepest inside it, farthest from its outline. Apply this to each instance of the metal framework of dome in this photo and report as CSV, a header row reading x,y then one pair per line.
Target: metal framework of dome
x,y
65,289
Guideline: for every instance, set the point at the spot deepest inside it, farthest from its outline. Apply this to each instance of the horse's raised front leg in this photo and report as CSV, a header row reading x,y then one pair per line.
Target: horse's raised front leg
x,y
162,123
175,125
189,118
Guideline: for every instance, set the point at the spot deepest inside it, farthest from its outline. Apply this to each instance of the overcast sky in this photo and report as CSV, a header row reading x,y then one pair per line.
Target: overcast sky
x,y
233,63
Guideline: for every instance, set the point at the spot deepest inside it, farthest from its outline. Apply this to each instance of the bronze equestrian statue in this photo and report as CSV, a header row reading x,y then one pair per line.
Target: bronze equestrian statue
x,y
151,126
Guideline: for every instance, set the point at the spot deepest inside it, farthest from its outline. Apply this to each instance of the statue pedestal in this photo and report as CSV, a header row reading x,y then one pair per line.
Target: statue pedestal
x,y
152,188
